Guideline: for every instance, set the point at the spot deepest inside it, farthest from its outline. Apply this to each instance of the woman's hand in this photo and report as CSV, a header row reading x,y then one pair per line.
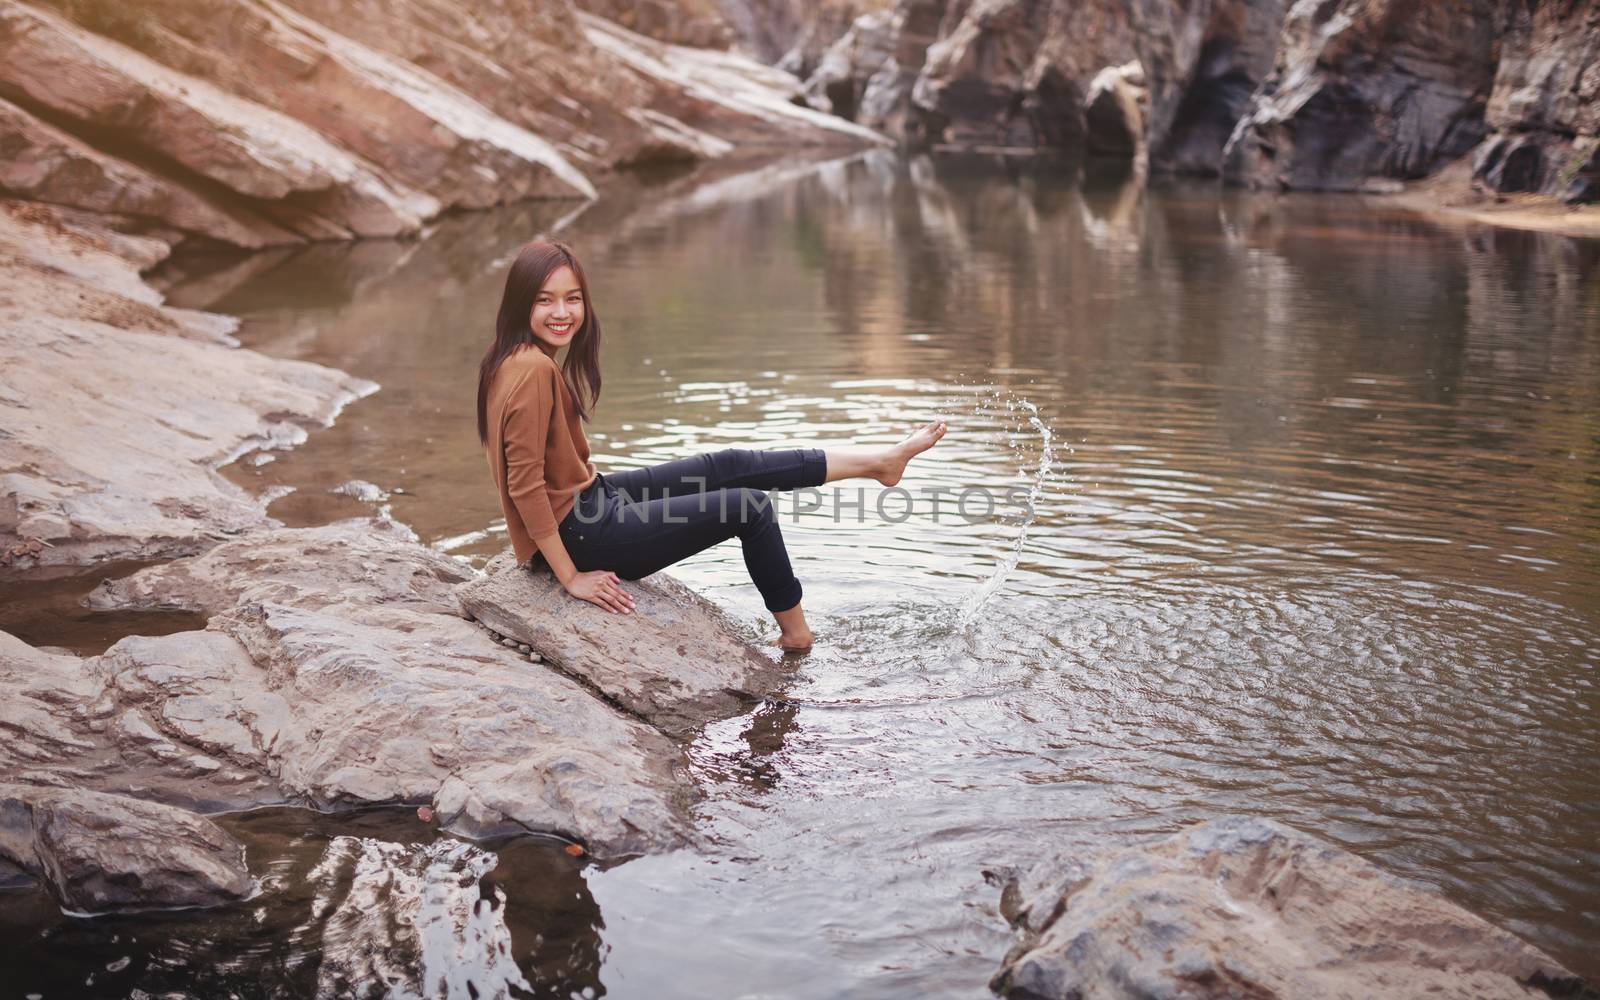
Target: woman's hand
x,y
601,587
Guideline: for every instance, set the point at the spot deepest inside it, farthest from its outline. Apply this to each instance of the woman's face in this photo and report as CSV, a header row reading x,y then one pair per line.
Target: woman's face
x,y
557,309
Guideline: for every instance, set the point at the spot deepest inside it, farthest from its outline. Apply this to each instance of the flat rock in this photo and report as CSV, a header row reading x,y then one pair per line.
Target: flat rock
x,y
115,412
360,561
100,853
336,670
1245,907
674,662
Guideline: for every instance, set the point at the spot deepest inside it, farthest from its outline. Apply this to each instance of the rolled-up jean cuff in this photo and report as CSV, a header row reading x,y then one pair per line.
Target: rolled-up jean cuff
x,y
784,598
816,467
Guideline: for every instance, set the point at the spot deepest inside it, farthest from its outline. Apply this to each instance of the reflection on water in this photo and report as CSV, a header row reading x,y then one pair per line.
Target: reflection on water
x,y
368,904
1315,535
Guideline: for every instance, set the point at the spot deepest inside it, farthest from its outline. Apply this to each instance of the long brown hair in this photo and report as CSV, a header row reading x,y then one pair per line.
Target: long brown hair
x,y
533,266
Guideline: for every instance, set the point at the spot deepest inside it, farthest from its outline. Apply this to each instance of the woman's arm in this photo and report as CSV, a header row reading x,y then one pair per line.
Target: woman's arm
x,y
599,586
529,410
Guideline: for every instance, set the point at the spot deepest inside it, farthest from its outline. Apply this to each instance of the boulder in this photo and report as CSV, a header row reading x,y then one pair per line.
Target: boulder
x,y
116,412
674,662
868,74
794,35
100,853
727,95
337,668
1245,907
1366,93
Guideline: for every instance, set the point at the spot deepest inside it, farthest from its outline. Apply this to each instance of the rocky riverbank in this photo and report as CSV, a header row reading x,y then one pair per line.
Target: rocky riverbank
x,y
341,665
338,665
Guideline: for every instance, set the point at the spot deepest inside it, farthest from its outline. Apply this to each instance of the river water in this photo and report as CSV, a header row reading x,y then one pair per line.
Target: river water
x,y
1295,513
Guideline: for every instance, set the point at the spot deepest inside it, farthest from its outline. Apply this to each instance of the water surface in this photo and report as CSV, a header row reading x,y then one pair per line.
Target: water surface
x,y
1311,531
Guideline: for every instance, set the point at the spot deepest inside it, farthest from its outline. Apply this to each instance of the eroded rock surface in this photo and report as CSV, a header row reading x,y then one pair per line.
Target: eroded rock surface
x,y
358,562
99,853
674,661
1251,908
682,22
115,412
1202,61
1367,93
1016,72
868,74
261,122
332,673
1544,112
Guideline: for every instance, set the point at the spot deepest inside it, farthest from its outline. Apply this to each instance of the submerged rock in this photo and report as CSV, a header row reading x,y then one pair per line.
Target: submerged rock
x,y
674,662
100,853
1250,908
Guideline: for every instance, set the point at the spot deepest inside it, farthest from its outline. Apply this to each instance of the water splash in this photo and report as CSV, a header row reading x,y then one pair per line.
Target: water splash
x,y
405,921
986,590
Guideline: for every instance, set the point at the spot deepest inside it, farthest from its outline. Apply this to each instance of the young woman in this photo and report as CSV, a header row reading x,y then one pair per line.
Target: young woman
x,y
591,529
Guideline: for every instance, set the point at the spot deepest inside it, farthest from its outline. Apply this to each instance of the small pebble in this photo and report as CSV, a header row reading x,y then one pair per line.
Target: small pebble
x,y
535,657
523,647
509,643
425,814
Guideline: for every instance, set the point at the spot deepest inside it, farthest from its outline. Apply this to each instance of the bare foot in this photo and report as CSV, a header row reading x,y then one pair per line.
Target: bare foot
x,y
794,635
798,643
920,440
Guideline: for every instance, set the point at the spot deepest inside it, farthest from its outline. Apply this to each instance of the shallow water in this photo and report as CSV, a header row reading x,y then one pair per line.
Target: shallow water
x,y
1297,514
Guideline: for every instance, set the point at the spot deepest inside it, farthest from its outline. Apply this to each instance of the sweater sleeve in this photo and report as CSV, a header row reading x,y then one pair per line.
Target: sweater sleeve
x,y
530,407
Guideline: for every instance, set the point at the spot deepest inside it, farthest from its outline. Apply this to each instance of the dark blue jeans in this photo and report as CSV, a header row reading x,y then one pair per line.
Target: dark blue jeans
x,y
636,522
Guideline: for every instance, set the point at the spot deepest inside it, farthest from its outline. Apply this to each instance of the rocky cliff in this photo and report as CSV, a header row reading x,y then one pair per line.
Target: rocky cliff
x,y
1331,95
1544,110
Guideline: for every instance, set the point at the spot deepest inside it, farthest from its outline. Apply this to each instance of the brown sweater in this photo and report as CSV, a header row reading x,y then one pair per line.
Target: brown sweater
x,y
536,448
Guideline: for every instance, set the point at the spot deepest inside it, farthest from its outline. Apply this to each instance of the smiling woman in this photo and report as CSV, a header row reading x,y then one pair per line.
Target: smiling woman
x,y
594,531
